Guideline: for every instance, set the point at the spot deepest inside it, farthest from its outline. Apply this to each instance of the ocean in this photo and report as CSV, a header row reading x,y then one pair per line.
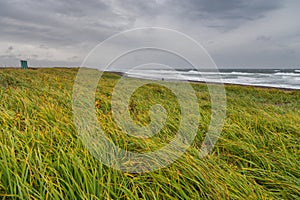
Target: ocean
x,y
277,78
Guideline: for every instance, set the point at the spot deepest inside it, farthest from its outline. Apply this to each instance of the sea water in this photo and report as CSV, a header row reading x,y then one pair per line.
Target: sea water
x,y
278,78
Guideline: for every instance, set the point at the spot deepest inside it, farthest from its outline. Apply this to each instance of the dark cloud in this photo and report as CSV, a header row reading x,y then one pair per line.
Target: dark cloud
x,y
229,13
69,21
246,9
60,22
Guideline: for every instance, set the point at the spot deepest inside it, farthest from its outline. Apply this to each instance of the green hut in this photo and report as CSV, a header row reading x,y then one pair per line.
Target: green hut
x,y
24,64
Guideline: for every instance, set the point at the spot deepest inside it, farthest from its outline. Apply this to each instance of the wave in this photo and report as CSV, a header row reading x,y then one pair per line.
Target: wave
x,y
286,74
193,71
242,73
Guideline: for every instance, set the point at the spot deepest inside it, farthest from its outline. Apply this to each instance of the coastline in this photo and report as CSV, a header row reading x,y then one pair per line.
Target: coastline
x,y
204,82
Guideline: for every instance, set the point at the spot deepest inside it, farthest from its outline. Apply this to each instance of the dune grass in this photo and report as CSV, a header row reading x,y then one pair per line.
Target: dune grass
x,y
256,157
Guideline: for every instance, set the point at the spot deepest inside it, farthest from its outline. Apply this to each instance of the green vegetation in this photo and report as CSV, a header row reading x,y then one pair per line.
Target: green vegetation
x,y
256,157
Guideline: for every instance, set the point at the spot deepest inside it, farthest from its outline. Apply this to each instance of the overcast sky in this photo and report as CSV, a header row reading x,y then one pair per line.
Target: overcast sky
x,y
236,33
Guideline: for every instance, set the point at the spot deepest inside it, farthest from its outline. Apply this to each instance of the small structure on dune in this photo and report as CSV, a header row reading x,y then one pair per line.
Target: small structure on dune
x,y
24,64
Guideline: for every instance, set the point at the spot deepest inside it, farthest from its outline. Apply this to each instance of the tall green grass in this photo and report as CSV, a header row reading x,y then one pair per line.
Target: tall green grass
x,y
256,157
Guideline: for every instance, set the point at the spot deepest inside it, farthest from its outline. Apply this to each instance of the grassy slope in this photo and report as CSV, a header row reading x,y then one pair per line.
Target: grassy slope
x,y
257,156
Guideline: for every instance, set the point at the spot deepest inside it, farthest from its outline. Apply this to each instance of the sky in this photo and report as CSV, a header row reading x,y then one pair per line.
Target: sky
x,y
236,33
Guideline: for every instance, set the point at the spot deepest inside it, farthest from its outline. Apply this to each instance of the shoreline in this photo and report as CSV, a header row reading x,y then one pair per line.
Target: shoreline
x,y
204,82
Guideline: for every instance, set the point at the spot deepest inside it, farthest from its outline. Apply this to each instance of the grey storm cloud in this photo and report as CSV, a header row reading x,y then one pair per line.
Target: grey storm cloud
x,y
211,8
63,31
